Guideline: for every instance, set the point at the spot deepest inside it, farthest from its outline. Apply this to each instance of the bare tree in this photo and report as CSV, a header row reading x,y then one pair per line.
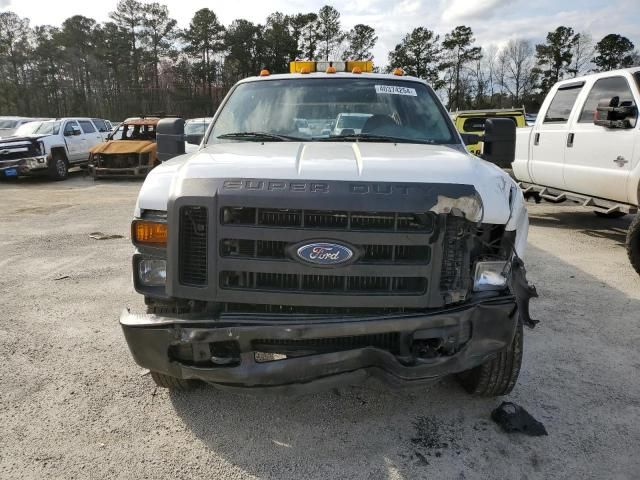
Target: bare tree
x,y
583,52
518,61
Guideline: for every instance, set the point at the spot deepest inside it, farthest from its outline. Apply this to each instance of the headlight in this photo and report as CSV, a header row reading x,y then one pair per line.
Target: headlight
x,y
490,276
152,272
41,147
153,234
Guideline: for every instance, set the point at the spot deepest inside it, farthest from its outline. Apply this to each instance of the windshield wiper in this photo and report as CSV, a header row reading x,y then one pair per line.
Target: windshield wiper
x,y
259,137
367,137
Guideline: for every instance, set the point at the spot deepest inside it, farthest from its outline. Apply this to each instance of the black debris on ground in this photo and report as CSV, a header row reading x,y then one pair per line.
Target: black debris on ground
x,y
514,418
432,436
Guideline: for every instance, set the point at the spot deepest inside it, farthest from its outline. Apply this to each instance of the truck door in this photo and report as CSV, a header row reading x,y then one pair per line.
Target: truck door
x,y
550,137
598,159
74,140
92,136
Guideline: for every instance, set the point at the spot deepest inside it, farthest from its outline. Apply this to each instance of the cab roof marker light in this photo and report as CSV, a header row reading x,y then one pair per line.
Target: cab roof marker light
x,y
264,72
398,72
308,66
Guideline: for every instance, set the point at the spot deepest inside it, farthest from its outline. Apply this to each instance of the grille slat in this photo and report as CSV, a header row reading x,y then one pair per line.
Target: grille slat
x,y
192,258
329,284
327,219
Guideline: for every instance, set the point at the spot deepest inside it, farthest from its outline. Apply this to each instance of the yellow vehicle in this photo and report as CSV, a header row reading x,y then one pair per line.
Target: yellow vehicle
x,y
130,151
472,121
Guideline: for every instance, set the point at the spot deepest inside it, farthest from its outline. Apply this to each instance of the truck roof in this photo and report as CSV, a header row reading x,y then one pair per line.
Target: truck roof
x,y
622,71
483,111
142,121
333,76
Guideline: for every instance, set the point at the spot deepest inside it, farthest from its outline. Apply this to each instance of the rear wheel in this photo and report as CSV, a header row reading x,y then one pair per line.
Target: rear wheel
x,y
609,215
58,167
172,383
499,375
633,243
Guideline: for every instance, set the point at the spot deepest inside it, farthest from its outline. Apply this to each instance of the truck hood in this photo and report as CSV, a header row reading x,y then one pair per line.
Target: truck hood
x,y
26,138
125,146
339,161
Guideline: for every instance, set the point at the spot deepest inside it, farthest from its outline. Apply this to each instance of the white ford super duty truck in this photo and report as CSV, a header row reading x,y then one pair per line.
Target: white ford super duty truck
x,y
53,148
280,256
585,148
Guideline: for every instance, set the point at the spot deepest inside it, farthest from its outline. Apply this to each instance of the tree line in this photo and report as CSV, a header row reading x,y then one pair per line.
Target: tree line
x,y
140,61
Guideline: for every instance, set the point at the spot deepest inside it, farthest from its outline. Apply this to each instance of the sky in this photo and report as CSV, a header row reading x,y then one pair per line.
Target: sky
x,y
492,21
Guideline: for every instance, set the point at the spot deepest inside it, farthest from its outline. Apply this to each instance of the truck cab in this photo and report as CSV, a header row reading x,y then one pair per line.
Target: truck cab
x,y
273,260
51,148
585,147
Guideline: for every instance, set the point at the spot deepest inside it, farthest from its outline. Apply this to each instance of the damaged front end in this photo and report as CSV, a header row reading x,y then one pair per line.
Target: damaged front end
x,y
128,165
431,289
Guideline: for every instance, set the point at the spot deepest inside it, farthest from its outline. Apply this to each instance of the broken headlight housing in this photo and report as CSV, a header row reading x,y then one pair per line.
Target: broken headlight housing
x,y
490,275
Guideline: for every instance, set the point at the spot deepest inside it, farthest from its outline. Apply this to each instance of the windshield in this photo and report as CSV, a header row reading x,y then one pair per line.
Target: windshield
x,y
48,128
8,123
135,132
322,109
27,128
196,127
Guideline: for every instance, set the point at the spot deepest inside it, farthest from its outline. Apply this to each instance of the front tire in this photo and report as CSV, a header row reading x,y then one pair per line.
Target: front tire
x,y
172,383
499,375
633,243
58,167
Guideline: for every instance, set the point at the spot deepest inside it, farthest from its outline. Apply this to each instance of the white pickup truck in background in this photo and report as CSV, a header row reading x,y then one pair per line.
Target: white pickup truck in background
x,y
52,148
585,147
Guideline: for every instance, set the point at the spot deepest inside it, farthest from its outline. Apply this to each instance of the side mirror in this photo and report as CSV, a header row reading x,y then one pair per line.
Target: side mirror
x,y
193,138
170,138
610,113
470,138
75,130
499,142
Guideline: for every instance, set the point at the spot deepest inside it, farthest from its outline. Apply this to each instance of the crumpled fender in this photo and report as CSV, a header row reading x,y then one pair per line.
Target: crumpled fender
x,y
523,291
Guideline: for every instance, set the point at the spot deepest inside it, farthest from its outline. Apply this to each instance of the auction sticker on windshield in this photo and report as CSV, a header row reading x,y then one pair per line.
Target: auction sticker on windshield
x,y
396,90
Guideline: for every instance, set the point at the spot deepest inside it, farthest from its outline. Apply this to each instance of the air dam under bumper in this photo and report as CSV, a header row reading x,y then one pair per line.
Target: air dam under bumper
x,y
482,328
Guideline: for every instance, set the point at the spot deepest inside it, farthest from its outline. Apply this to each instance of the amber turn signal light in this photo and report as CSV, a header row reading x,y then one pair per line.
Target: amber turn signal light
x,y
149,233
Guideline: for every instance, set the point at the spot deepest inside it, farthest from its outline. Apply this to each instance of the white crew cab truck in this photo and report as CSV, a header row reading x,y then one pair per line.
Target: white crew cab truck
x,y
52,148
274,259
585,148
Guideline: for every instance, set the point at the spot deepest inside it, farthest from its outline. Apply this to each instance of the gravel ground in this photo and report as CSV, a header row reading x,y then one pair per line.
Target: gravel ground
x,y
73,404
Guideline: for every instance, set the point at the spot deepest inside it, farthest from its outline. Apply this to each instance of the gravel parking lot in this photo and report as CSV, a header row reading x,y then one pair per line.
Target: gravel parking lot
x,y
73,404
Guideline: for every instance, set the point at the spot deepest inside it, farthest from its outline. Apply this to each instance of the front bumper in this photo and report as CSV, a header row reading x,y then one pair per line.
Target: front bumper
x,y
475,332
24,166
133,172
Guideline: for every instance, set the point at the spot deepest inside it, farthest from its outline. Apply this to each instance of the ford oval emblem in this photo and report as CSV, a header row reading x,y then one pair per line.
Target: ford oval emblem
x,y
324,253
